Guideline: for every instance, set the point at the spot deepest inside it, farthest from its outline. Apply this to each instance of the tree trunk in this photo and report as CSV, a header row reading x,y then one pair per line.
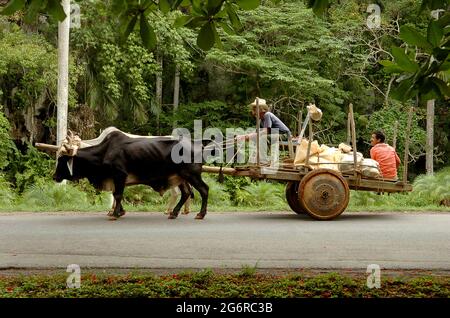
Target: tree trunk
x,y
63,74
176,92
159,91
430,129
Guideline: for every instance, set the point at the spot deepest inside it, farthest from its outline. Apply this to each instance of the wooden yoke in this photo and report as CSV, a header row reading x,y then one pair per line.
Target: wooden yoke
x,y
42,146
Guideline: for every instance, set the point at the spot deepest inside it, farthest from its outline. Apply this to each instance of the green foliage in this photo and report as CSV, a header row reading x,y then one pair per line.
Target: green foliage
x,y
141,195
95,198
209,13
7,195
290,58
428,78
120,86
28,69
217,192
428,192
260,194
320,6
44,194
209,284
363,199
119,75
433,188
385,118
247,271
144,195
214,114
6,145
234,186
26,170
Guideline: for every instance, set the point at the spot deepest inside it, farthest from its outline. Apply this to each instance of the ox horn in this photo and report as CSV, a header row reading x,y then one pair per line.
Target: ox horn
x,y
69,136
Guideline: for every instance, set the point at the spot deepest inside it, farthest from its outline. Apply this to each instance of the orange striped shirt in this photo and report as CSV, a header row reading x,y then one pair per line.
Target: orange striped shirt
x,y
387,158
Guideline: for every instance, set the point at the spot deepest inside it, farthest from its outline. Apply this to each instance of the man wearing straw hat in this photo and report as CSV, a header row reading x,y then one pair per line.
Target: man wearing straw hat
x,y
268,121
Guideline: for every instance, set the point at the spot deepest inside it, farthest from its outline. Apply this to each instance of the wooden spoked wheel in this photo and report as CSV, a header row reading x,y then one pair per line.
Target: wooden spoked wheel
x,y
292,197
323,194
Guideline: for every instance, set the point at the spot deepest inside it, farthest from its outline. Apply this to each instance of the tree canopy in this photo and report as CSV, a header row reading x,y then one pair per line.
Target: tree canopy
x,y
282,52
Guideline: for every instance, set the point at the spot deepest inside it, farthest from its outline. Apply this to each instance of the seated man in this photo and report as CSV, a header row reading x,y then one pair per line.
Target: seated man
x,y
271,125
268,121
385,155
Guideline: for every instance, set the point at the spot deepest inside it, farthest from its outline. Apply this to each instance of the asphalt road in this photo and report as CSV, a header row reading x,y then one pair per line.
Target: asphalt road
x,y
225,240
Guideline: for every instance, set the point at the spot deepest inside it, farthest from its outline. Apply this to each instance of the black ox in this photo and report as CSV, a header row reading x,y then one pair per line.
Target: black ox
x,y
119,161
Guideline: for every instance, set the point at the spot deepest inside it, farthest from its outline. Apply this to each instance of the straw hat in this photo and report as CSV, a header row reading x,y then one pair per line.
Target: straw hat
x,y
314,112
261,102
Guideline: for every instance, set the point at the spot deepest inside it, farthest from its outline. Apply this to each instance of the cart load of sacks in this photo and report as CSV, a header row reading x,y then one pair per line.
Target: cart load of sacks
x,y
340,159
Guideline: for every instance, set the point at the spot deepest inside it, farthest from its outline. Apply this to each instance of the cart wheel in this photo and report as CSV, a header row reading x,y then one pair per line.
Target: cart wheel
x,y
323,194
292,197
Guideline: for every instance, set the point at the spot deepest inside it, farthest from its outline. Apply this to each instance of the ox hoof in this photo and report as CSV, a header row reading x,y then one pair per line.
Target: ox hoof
x,y
171,217
185,212
111,214
199,216
113,218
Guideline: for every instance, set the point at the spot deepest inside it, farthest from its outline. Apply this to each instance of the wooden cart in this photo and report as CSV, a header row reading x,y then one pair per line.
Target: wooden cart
x,y
321,193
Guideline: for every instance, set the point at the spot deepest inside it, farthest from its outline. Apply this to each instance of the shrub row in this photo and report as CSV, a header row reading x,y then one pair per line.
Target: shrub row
x,y
429,192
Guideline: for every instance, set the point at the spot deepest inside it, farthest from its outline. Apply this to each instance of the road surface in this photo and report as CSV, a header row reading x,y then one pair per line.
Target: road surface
x,y
225,240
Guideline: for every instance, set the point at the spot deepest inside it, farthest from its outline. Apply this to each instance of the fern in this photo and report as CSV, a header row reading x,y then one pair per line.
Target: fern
x,y
433,188
46,194
264,194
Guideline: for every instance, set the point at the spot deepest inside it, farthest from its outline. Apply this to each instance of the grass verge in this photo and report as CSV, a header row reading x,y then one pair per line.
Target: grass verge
x,y
206,283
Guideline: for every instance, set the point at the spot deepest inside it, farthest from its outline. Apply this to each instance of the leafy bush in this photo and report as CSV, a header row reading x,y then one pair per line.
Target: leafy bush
x,y
234,186
427,191
363,198
95,197
385,118
7,147
25,170
435,188
213,114
141,194
261,194
7,195
44,194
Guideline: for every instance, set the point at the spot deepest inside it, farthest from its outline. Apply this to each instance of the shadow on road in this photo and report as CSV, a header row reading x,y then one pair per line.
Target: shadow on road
x,y
160,220
342,218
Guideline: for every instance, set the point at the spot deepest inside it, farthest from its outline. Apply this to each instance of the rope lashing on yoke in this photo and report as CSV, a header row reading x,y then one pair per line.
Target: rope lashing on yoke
x,y
69,147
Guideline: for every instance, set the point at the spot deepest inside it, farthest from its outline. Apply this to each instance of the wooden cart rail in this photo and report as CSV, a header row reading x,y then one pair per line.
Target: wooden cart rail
x,y
291,174
321,193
